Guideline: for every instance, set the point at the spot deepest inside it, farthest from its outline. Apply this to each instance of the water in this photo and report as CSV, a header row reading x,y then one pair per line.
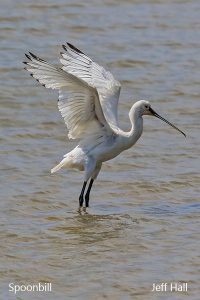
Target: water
x,y
143,224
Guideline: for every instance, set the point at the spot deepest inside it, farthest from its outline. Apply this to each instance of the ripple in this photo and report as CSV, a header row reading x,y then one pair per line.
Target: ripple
x,y
143,223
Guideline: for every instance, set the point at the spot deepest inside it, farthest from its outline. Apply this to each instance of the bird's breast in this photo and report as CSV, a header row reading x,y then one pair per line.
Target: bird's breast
x,y
109,150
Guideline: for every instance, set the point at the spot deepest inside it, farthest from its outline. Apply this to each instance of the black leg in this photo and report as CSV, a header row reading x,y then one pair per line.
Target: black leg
x,y
87,196
81,197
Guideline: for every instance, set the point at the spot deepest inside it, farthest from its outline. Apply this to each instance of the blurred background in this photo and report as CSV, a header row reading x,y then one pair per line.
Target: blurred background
x,y
143,223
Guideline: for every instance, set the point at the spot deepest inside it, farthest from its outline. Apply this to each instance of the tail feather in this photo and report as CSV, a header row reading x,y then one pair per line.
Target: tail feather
x,y
59,166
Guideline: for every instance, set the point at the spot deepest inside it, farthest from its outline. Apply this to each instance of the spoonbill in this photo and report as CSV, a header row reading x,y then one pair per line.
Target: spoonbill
x,y
88,102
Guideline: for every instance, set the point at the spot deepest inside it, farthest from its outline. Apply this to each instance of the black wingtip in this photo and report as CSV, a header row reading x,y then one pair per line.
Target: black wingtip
x,y
27,56
64,47
33,55
74,48
37,58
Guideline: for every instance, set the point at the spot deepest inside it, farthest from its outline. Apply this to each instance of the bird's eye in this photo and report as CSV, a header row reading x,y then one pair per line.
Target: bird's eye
x,y
146,106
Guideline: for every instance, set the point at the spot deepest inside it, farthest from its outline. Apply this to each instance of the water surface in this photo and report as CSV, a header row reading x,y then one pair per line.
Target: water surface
x,y
143,224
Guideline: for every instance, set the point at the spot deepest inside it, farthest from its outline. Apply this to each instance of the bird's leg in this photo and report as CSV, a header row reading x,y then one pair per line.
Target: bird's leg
x,y
81,197
87,195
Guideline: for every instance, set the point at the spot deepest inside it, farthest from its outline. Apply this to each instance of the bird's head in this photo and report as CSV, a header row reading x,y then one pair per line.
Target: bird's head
x,y
144,108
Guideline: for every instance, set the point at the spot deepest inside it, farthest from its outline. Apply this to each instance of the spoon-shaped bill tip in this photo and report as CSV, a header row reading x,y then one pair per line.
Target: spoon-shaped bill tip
x,y
161,118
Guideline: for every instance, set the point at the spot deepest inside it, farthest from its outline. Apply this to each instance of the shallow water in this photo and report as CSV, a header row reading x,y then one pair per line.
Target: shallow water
x,y
143,224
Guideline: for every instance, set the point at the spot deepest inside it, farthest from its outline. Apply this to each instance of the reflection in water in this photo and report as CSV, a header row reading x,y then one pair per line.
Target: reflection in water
x,y
142,226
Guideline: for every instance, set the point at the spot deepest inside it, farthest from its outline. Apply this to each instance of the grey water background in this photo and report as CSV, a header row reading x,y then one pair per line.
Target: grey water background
x,y
143,223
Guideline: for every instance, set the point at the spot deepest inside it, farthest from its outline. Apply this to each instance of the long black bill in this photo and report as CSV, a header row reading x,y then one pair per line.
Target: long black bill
x,y
159,117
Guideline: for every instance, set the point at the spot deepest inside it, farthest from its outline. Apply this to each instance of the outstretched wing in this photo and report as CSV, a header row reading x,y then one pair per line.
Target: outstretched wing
x,y
75,62
78,102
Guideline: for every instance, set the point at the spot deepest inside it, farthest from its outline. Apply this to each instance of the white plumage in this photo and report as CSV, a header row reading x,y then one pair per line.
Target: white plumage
x,y
88,102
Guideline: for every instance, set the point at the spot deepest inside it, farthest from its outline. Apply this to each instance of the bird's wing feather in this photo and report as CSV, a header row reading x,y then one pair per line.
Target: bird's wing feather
x,y
78,102
80,65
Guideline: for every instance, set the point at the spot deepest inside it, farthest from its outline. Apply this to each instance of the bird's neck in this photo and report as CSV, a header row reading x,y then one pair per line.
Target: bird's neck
x,y
136,128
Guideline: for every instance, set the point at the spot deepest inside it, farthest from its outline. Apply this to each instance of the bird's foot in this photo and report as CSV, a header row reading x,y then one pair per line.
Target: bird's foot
x,y
82,210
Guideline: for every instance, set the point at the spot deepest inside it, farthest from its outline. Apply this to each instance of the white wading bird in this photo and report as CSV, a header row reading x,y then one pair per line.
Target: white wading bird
x,y
88,102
